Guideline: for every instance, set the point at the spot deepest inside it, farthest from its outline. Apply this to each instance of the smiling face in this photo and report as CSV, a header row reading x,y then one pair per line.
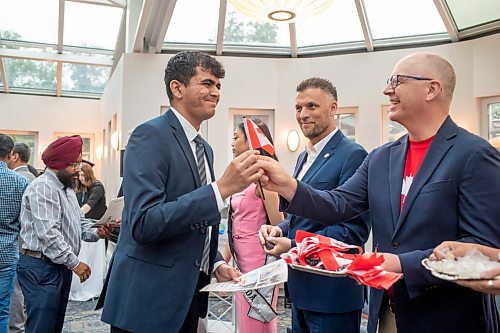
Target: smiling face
x,y
315,109
240,143
197,100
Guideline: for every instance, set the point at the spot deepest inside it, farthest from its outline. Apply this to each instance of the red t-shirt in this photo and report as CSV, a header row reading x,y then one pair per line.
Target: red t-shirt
x,y
415,156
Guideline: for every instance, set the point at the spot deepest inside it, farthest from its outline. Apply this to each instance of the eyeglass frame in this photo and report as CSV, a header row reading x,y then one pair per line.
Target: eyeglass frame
x,y
418,78
77,164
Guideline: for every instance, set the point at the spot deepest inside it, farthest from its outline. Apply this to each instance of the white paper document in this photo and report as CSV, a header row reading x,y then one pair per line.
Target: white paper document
x,y
268,275
113,213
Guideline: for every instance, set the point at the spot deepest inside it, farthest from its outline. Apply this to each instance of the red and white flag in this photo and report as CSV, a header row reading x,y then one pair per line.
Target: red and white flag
x,y
256,138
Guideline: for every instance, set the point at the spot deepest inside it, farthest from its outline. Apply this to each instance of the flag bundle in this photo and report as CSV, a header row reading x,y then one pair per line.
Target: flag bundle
x,y
330,254
256,138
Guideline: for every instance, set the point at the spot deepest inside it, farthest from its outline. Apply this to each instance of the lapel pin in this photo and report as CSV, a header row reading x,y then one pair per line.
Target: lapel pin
x,y
326,155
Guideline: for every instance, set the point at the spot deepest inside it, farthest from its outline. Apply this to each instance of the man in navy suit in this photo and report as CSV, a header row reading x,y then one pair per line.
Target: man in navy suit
x,y
168,239
437,183
322,304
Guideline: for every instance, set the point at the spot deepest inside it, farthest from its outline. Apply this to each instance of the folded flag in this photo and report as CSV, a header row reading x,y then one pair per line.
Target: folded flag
x,y
332,255
256,138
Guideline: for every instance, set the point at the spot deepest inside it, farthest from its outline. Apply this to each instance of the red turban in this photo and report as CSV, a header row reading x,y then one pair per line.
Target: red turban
x,y
62,152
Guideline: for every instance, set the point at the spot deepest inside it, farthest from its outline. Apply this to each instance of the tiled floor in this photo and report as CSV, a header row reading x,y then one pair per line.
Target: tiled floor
x,y
81,318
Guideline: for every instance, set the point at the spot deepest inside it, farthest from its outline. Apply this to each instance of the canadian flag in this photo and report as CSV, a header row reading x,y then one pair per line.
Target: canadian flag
x,y
256,138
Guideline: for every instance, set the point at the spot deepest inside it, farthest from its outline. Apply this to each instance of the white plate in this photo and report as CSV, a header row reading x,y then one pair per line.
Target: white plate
x,y
441,275
319,271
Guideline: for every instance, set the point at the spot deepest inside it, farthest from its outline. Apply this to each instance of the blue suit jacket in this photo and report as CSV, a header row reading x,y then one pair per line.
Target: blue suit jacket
x,y
454,196
167,212
335,164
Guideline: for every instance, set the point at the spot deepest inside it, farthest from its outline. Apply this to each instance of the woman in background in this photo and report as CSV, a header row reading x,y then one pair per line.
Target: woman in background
x,y
90,193
247,212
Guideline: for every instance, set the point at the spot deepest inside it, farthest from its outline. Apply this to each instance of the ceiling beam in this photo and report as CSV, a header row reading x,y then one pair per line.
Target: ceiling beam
x,y
363,20
108,3
60,32
293,40
147,7
447,18
157,29
54,57
120,41
3,73
221,26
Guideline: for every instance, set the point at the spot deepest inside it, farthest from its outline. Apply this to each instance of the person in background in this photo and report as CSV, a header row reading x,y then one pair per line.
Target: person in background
x,y
90,193
52,227
12,186
19,163
439,182
248,211
33,170
490,280
19,160
319,303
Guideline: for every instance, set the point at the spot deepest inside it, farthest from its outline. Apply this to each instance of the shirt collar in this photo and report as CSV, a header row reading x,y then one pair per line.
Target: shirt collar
x,y
21,168
51,174
314,149
189,130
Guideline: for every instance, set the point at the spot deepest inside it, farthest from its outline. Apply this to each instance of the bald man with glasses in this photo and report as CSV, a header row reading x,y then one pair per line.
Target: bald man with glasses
x,y
438,182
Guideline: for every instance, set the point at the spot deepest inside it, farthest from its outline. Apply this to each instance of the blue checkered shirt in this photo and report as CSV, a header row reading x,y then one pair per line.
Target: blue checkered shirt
x,y
12,186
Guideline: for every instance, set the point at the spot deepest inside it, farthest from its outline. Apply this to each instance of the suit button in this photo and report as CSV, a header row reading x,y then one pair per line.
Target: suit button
x,y
395,245
206,223
191,227
197,263
203,230
196,225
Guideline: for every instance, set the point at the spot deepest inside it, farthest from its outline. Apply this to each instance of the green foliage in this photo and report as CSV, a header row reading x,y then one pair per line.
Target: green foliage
x,y
239,32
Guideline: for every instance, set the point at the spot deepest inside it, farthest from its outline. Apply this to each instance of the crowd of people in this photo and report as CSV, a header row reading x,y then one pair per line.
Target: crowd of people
x,y
430,193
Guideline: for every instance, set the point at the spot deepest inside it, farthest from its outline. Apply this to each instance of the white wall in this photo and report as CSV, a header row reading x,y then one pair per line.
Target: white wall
x,y
47,115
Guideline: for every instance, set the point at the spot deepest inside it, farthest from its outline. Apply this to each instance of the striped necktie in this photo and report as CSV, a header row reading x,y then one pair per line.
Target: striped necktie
x,y
200,159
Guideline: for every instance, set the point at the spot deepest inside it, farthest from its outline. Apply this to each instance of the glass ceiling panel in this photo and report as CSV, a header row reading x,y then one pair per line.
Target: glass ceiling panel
x,y
402,18
84,78
242,30
91,25
194,21
29,20
339,24
467,13
32,74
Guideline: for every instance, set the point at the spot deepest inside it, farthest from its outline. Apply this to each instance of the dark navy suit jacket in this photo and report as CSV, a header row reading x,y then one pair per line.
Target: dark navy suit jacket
x,y
335,164
156,264
454,196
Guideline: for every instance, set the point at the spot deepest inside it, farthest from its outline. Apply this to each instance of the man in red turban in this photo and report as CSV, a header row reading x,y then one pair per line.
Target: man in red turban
x,y
52,227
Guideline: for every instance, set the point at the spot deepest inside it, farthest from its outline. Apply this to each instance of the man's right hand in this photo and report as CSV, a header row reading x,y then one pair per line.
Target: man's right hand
x,y
83,271
239,174
276,179
268,231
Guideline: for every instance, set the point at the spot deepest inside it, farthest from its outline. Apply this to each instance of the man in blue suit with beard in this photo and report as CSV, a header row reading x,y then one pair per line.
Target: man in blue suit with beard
x,y
322,304
167,248
437,183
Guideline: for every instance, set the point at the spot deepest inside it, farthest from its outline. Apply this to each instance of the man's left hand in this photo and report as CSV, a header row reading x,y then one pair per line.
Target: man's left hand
x,y
103,231
227,273
391,263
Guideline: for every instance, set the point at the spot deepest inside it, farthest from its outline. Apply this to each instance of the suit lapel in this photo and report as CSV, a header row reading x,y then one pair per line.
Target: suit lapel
x,y
326,153
440,145
184,144
300,163
397,158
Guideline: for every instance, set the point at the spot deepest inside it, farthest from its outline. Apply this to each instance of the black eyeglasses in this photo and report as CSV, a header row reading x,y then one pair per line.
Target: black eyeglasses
x,y
77,164
395,81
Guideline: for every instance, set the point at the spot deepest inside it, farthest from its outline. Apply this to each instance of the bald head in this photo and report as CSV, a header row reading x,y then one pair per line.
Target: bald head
x,y
434,66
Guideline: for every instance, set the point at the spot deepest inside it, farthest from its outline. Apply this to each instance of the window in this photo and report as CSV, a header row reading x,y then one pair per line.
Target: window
x,y
391,130
88,144
491,120
267,116
29,138
345,120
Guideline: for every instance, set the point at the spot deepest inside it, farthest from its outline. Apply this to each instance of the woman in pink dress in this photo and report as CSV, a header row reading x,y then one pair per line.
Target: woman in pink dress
x,y
255,310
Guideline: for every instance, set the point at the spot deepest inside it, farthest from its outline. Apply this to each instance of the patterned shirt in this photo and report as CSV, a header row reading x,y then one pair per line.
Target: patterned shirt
x,y
52,222
12,186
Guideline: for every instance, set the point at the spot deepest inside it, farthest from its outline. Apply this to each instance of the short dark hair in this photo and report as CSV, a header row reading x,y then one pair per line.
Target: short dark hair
x,y
262,125
182,67
317,82
23,150
6,145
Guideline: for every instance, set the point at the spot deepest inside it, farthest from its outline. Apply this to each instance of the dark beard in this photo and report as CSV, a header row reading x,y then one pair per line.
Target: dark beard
x,y
66,178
